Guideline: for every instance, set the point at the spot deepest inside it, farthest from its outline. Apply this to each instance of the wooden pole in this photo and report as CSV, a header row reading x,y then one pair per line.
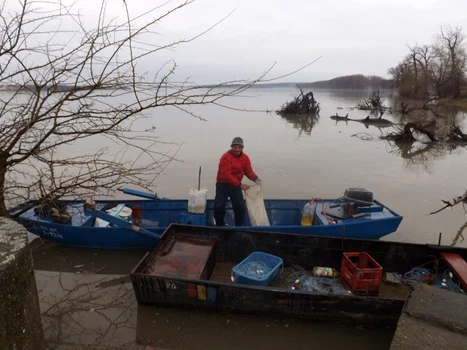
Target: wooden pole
x,y
199,179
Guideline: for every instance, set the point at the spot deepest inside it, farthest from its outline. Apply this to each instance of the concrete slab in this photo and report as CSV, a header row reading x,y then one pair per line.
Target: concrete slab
x,y
438,306
432,318
413,334
20,318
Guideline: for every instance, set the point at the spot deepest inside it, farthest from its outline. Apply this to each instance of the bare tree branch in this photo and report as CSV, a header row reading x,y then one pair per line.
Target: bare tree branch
x,y
67,86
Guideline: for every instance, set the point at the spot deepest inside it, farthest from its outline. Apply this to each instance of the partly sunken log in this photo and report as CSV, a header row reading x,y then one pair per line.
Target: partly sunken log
x,y
456,134
367,120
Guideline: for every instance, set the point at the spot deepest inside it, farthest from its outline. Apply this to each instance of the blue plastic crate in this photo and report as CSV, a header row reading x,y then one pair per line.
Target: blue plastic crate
x,y
257,261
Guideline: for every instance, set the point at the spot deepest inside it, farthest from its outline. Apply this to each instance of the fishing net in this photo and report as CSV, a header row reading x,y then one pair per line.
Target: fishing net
x,y
255,206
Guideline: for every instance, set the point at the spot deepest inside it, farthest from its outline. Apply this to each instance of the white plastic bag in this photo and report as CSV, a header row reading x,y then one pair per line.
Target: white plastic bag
x,y
255,205
197,200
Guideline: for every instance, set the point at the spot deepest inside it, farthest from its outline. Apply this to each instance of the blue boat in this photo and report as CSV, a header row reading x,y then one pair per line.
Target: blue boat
x,y
101,227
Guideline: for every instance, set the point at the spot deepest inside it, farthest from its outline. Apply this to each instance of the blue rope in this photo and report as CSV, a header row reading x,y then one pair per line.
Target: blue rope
x,y
417,275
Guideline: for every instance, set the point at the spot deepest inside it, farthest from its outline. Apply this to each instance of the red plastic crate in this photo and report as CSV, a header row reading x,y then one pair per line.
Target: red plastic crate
x,y
361,273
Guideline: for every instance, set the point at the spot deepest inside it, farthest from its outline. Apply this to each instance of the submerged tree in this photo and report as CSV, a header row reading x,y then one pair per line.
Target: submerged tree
x,y
304,103
374,102
71,87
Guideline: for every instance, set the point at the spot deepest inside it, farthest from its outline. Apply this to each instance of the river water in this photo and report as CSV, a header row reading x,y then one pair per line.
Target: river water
x,y
87,300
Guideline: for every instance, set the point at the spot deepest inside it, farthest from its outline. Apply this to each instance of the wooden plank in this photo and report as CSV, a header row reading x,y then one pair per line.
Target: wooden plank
x,y
124,224
457,265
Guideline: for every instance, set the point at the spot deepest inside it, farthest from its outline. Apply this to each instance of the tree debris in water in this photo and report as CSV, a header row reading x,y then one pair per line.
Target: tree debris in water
x,y
460,199
364,136
302,104
374,102
407,133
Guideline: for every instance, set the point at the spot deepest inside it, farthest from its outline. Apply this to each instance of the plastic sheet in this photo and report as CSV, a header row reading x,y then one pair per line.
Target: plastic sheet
x,y
255,206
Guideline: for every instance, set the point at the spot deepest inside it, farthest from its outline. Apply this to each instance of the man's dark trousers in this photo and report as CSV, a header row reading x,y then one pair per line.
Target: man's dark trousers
x,y
223,192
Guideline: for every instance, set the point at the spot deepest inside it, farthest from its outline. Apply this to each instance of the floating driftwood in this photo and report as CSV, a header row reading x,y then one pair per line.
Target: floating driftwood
x,y
460,199
302,104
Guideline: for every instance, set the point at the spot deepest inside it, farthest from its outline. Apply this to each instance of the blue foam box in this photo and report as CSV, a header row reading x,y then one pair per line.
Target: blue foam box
x,y
270,262
194,219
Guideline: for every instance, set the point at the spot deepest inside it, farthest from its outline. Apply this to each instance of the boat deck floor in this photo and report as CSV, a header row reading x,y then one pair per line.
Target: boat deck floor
x,y
222,273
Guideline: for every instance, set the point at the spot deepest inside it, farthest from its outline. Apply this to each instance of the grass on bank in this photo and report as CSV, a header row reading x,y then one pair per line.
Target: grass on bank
x,y
460,102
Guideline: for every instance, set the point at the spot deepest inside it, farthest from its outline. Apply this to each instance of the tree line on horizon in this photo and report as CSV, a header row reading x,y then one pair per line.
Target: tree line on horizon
x,y
355,81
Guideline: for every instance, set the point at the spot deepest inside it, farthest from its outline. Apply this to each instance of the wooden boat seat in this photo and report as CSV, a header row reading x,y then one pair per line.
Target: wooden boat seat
x,y
457,265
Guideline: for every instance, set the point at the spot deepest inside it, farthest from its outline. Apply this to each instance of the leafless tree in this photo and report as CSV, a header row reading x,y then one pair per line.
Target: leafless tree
x,y
449,65
65,86
433,70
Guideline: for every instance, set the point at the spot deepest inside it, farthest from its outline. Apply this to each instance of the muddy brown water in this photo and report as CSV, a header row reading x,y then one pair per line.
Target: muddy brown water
x,y
87,300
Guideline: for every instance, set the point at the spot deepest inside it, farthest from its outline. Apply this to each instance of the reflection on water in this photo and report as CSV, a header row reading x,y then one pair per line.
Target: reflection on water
x,y
418,156
459,235
86,310
421,156
303,122
83,309
182,329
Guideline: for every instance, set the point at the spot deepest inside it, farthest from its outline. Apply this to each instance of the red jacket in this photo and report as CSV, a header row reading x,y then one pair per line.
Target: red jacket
x,y
232,168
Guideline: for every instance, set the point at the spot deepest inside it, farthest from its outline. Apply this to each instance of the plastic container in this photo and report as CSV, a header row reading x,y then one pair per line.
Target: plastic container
x,y
308,214
319,271
197,200
265,265
125,214
361,273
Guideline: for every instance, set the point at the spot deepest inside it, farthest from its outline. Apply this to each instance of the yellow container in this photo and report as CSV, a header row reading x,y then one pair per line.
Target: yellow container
x,y
308,214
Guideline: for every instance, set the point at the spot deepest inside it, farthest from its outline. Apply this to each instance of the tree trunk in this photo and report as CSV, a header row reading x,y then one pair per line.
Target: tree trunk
x,y
3,209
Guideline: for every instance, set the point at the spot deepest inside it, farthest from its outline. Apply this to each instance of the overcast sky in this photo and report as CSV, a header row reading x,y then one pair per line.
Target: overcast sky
x,y
352,36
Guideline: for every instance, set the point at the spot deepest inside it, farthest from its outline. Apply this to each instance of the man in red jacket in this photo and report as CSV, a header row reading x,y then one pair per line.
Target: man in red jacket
x,y
232,166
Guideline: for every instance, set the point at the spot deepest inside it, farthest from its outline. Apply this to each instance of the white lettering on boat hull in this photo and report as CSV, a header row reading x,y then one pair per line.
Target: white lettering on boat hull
x,y
50,231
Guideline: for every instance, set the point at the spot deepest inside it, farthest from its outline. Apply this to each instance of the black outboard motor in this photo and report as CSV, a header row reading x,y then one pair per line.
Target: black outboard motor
x,y
356,197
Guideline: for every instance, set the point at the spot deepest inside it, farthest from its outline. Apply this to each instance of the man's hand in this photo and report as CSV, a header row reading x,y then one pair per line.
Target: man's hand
x,y
244,187
258,180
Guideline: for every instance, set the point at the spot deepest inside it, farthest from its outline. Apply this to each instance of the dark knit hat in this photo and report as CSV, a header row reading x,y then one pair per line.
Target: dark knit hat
x,y
237,141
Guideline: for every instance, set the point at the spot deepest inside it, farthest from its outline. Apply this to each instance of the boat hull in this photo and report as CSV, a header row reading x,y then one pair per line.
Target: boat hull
x,y
215,293
156,216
